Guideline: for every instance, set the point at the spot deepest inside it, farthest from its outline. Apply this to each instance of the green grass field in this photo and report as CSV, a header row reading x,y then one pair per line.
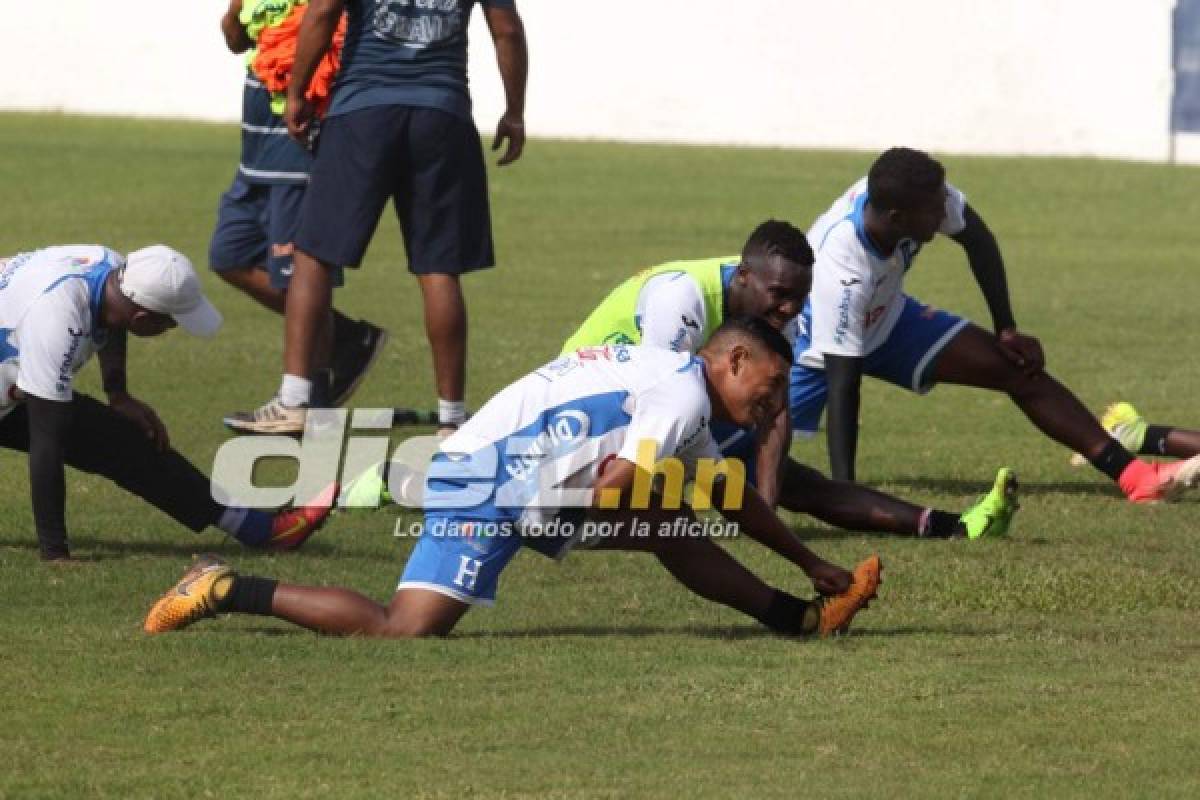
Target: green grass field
x,y
1064,662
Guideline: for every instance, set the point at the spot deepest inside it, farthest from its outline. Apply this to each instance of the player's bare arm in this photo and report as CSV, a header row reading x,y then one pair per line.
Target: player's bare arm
x,y
772,449
236,38
314,39
512,58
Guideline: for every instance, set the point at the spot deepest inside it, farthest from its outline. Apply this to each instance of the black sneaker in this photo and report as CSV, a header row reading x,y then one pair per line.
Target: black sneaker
x,y
356,346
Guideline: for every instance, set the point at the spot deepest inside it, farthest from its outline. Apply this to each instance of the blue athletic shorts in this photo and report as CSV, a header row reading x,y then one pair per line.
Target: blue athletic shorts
x,y
461,558
906,359
429,162
256,225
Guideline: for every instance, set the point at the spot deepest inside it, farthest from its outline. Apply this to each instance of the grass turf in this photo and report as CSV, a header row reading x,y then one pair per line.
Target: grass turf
x,y
1063,662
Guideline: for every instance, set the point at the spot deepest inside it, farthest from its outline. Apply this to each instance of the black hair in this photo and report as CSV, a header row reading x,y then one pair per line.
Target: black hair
x,y
758,330
902,177
778,238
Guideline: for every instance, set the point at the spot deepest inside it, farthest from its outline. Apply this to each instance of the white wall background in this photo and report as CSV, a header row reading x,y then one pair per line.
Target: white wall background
x,y
1051,77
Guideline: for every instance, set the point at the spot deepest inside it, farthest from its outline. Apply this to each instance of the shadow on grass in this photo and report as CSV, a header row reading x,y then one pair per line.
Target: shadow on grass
x,y
1099,488
86,548
715,632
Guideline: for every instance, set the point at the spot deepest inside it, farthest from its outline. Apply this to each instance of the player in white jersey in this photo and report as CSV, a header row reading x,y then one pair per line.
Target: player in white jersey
x,y
671,309
58,307
571,443
859,321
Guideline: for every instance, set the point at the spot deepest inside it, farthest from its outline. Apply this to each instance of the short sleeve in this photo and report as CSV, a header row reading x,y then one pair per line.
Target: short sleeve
x,y
671,313
841,294
51,336
674,414
956,212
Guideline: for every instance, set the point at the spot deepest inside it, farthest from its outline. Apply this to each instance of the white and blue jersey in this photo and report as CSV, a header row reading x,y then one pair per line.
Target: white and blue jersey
x,y
50,318
857,308
532,454
857,293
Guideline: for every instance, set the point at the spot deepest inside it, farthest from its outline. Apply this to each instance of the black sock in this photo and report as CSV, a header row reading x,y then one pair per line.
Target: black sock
x,y
1155,443
787,615
943,525
1113,459
250,595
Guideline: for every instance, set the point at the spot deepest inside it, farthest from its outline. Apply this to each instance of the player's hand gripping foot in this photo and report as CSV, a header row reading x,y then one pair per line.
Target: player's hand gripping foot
x,y
290,529
838,610
273,417
1123,423
197,595
1147,482
993,514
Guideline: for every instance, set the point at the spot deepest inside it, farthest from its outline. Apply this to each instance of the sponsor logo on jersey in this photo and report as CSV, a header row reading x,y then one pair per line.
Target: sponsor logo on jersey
x,y
64,369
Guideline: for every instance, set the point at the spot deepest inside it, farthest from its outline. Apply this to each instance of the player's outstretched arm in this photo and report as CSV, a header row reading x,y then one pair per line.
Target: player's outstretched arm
x,y
844,374
756,519
772,449
512,58
49,424
987,265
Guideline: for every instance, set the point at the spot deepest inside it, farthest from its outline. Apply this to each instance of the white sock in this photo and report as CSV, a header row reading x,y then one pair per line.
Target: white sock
x,y
295,391
232,519
451,412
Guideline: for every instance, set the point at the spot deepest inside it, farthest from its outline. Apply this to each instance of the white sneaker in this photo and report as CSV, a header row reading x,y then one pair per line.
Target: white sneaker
x,y
273,417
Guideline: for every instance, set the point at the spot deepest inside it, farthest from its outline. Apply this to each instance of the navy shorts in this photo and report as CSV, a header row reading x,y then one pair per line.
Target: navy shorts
x,y
906,360
256,226
429,162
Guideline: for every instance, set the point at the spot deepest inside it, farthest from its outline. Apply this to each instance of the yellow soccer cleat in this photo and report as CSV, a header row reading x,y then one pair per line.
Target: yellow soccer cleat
x,y
195,597
1123,423
837,611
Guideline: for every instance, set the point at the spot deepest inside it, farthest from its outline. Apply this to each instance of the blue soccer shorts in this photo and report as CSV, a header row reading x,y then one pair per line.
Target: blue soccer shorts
x,y
907,359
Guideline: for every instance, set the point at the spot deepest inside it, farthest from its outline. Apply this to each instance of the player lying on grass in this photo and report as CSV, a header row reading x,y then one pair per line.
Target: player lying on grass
x,y
677,305
60,305
858,321
593,424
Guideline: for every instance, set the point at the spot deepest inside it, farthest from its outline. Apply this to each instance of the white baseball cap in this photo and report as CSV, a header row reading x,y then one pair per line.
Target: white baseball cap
x,y
160,279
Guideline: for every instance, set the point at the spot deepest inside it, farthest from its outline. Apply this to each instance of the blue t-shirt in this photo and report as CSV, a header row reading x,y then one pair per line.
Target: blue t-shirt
x,y
406,52
269,155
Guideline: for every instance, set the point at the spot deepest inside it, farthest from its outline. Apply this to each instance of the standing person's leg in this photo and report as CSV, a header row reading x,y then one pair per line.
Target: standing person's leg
x,y
446,329
352,176
445,218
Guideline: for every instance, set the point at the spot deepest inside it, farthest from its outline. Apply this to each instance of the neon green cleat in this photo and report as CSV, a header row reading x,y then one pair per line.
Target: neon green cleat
x,y
368,490
993,514
1126,425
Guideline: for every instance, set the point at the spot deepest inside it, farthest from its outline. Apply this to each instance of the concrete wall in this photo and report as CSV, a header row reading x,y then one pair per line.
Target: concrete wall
x,y
1061,77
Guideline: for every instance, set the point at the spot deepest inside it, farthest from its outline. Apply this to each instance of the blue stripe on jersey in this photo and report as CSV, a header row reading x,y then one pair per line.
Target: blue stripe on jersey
x,y
508,469
7,351
94,278
860,228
